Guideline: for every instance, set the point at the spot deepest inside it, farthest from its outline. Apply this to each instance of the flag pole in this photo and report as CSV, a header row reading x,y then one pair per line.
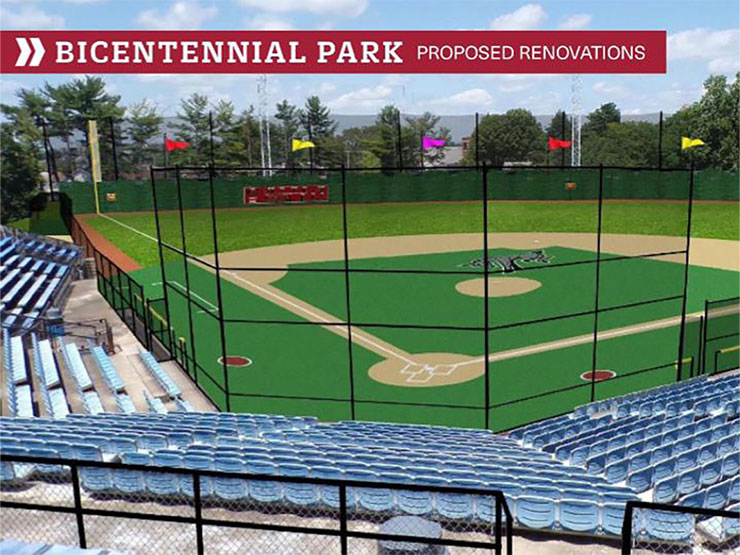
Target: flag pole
x,y
421,148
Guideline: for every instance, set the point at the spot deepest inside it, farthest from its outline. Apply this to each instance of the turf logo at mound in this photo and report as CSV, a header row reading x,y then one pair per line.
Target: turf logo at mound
x,y
511,263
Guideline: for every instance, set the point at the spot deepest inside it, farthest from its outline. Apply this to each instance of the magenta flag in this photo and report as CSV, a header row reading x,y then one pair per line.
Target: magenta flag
x,y
431,142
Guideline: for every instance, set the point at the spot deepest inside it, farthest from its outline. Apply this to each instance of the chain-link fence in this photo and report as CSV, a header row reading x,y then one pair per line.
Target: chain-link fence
x,y
245,506
651,528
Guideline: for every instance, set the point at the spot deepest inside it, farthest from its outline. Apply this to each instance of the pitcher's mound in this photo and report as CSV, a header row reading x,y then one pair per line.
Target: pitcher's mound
x,y
497,286
428,370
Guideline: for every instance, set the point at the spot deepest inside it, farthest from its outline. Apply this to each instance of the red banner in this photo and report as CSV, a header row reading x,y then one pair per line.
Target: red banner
x,y
286,194
332,52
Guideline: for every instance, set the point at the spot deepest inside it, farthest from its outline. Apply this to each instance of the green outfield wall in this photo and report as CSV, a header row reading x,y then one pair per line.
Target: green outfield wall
x,y
413,186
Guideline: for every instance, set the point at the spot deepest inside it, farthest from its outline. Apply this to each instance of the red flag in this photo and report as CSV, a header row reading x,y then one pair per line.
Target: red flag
x,y
554,143
170,145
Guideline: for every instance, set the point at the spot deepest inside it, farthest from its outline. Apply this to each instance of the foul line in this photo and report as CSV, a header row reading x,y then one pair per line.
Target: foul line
x,y
329,324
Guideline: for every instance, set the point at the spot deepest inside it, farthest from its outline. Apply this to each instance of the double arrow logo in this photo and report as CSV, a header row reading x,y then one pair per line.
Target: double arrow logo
x,y
30,54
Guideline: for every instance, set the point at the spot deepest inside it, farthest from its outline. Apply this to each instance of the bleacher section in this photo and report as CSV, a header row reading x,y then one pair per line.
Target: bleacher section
x,y
672,444
36,273
542,492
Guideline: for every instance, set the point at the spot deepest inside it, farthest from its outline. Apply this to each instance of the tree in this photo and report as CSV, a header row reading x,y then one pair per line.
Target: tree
x,y
426,124
140,137
716,123
287,116
19,159
599,119
194,128
629,144
555,129
87,99
515,136
318,126
382,142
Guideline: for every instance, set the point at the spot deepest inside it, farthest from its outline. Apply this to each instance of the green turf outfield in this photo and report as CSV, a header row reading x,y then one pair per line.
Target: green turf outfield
x,y
249,228
295,359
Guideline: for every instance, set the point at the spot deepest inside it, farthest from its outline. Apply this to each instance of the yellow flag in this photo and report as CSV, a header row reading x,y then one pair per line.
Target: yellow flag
x,y
690,143
299,145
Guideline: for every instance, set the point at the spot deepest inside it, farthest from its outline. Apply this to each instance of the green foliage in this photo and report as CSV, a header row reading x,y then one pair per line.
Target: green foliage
x,y
632,143
598,121
19,178
318,127
515,136
142,148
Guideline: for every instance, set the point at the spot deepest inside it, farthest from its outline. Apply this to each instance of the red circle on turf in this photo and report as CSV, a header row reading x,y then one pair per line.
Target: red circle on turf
x,y
598,375
236,360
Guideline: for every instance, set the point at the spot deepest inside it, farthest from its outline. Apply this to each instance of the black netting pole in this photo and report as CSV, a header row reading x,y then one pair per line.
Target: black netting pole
x,y
113,148
345,233
660,141
310,150
486,295
187,274
161,258
562,137
398,138
421,148
597,284
679,366
477,141
219,294
210,139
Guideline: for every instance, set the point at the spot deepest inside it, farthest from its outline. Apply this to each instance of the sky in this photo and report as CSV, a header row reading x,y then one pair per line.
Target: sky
x,y
703,39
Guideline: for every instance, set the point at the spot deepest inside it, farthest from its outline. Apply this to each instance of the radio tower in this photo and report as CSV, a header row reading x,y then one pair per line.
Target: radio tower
x,y
264,122
576,108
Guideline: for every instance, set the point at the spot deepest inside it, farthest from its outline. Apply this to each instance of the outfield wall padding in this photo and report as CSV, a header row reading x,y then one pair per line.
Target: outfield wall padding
x,y
413,186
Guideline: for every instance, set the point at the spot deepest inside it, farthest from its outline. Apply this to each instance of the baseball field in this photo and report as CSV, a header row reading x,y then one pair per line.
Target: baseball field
x,y
410,279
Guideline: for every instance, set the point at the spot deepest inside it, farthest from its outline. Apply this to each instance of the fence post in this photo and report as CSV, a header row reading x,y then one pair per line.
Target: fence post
x,y
345,233
497,526
627,529
486,307
682,332
78,506
343,518
198,513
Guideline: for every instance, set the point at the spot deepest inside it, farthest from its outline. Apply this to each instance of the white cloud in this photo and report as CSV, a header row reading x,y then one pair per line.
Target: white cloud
x,y
718,48
576,21
30,17
529,16
267,22
186,14
517,82
470,97
342,8
368,97
612,90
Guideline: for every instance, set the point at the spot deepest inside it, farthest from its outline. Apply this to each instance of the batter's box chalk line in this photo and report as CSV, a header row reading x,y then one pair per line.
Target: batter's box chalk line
x,y
422,373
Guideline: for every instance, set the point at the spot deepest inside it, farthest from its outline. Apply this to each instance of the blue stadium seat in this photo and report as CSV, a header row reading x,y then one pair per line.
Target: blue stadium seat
x,y
131,481
579,515
642,480
688,481
261,490
535,512
710,473
696,499
298,494
329,494
717,495
229,489
666,491
196,461
669,526
161,483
